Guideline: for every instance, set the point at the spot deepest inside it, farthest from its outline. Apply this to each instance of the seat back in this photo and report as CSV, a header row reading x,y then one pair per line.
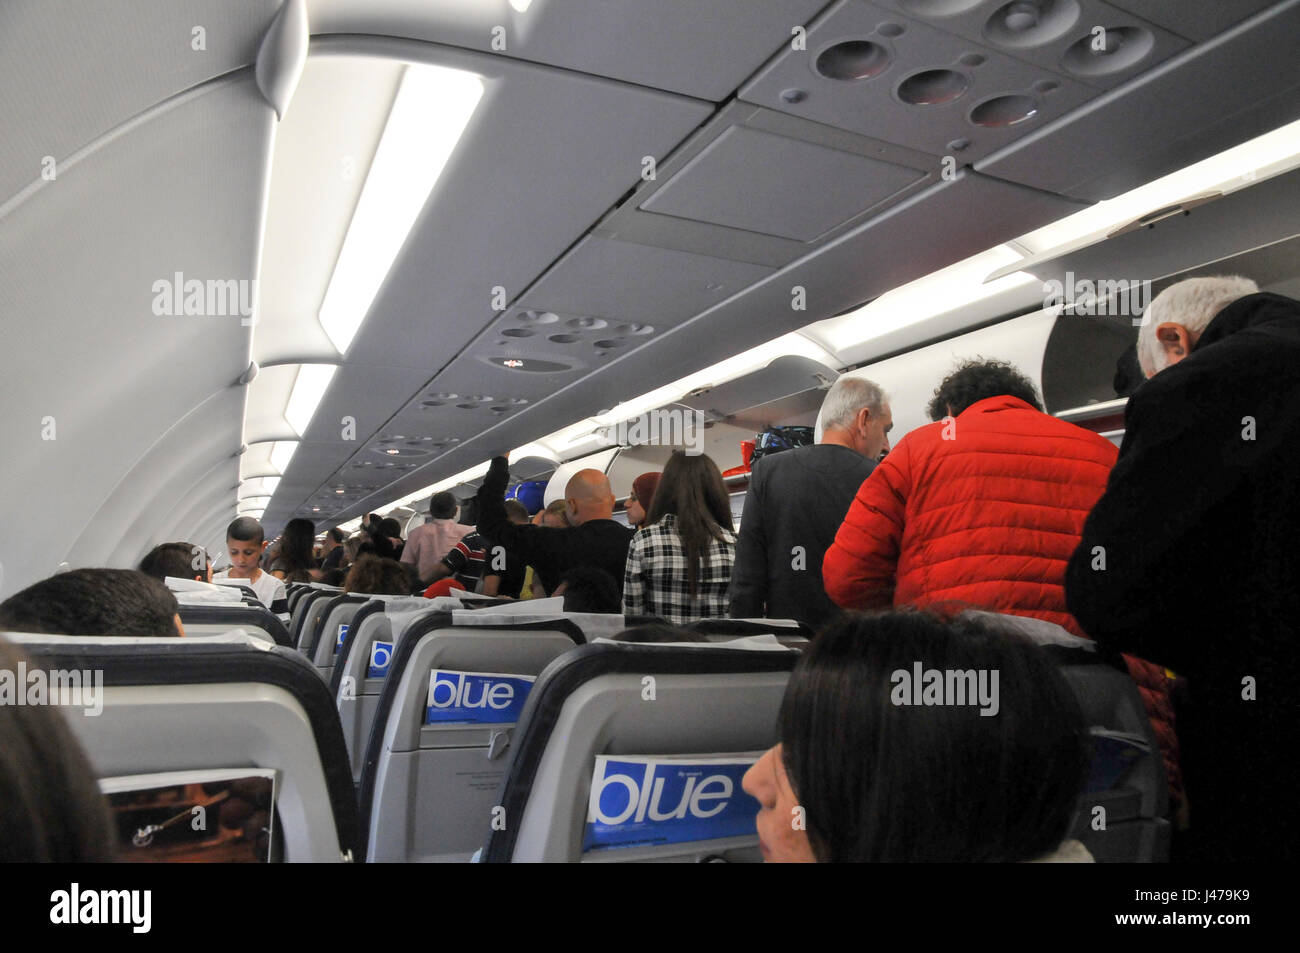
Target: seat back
x,y
789,632
1123,814
322,644
181,707
626,721
304,617
361,666
213,619
428,785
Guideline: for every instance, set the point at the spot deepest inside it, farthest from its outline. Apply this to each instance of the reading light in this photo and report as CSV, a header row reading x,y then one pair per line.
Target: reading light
x,y
429,115
956,287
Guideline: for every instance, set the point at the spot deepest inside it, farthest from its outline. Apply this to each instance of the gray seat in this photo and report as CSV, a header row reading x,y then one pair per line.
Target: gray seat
x,y
213,619
304,618
701,700
355,684
332,616
428,790
1123,816
189,705
1127,791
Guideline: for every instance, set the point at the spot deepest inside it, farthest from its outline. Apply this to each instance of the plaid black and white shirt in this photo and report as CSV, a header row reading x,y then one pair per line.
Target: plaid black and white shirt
x,y
655,580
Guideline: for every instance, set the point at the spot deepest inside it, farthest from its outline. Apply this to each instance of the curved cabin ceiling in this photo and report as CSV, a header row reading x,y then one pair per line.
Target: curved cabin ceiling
x,y
540,275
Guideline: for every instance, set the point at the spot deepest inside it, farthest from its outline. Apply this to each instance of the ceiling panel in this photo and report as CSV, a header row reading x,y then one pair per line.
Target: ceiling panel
x,y
777,185
545,155
70,71
696,49
923,84
891,249
1196,19
622,282
1057,35
1197,104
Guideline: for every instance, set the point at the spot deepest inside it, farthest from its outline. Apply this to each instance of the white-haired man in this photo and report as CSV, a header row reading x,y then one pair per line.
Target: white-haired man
x,y
1191,558
796,502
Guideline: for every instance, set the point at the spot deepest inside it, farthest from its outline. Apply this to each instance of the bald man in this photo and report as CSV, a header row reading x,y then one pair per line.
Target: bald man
x,y
593,537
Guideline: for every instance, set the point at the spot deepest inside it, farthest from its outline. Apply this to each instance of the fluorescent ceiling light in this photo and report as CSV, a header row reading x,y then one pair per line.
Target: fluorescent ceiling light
x,y
258,486
308,389
793,343
253,503
1236,168
429,115
282,452
532,450
521,6
950,289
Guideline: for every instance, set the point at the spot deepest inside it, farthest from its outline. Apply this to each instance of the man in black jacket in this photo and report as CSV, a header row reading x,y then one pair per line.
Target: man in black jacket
x,y
1190,559
796,502
594,537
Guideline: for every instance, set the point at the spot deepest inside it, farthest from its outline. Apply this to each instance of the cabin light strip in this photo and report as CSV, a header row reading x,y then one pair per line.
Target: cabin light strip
x,y
1239,167
428,117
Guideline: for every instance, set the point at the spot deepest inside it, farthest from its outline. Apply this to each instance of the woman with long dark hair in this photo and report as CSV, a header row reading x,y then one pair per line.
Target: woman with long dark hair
x,y
876,772
679,563
296,544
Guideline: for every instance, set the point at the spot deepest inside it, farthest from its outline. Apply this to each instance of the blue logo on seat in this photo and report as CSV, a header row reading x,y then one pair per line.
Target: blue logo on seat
x,y
642,801
343,634
476,697
381,653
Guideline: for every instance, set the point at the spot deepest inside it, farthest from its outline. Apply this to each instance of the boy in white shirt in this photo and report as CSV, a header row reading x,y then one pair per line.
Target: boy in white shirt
x,y
245,542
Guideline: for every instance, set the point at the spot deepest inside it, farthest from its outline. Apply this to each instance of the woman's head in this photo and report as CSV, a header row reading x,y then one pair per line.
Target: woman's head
x,y
643,491
983,761
296,543
691,490
52,808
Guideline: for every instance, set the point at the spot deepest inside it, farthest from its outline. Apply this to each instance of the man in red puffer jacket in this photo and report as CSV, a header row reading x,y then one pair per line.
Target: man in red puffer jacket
x,y
984,507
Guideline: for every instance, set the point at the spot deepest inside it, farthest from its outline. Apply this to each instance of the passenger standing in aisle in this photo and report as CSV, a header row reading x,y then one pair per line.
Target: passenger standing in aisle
x,y
796,502
679,563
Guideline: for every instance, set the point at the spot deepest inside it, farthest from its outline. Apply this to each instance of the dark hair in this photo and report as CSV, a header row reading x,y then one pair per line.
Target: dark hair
x,y
175,559
296,543
391,527
977,380
589,589
516,510
442,506
691,489
93,602
376,575
334,577
658,632
246,530
297,575
337,535
889,782
53,809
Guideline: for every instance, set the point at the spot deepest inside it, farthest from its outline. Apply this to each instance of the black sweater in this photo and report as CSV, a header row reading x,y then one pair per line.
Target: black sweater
x,y
551,552
1200,531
